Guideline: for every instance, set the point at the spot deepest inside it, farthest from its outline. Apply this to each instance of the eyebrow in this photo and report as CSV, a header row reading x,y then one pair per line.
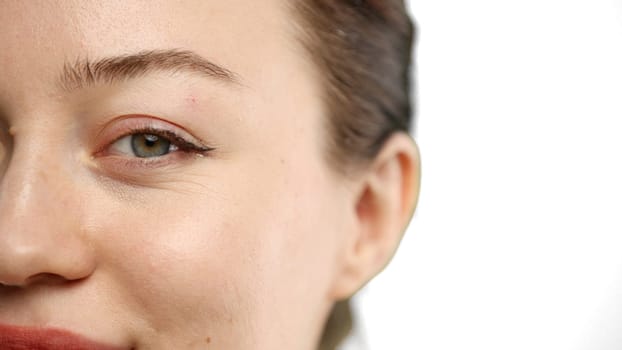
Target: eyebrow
x,y
84,72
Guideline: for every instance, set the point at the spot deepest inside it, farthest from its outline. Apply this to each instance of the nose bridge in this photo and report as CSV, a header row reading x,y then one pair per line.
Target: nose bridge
x,y
32,185
40,217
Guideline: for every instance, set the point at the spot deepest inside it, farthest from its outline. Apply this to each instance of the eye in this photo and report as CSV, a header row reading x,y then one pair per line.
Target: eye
x,y
154,143
132,143
144,145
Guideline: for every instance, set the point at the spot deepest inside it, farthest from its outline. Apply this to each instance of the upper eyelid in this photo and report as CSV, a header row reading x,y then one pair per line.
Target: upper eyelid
x,y
125,125
149,121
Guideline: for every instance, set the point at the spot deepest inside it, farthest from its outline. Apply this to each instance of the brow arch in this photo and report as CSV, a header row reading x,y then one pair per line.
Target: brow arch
x,y
84,72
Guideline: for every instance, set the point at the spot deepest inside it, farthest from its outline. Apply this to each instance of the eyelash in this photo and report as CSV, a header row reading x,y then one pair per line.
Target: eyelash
x,y
181,143
183,146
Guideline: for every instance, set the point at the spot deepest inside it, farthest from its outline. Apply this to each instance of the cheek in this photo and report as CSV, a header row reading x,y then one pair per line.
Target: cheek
x,y
179,267
297,225
250,253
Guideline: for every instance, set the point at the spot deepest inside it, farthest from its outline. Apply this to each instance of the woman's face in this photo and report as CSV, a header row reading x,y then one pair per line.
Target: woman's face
x,y
163,183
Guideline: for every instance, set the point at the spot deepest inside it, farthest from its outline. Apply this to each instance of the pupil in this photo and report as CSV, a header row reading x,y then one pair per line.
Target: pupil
x,y
149,145
151,140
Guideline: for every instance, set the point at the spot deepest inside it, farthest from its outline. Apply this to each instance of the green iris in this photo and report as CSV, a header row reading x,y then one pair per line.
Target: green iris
x,y
149,145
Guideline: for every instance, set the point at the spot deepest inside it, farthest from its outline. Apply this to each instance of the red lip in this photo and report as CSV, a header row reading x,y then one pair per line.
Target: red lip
x,y
31,338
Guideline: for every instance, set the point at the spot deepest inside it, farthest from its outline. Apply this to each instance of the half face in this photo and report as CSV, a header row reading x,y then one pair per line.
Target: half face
x,y
163,183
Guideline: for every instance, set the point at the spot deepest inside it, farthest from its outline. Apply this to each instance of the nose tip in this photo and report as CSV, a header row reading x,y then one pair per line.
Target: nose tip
x,y
23,265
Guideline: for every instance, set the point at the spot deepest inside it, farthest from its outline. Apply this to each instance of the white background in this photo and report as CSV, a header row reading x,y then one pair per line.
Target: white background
x,y
517,241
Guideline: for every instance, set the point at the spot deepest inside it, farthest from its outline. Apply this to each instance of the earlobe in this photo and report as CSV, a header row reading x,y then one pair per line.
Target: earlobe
x,y
387,194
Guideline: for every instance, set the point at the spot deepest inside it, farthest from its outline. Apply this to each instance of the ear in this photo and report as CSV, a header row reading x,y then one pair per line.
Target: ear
x,y
386,195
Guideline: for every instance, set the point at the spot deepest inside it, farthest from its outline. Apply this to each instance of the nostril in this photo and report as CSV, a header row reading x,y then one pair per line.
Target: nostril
x,y
45,278
7,289
8,286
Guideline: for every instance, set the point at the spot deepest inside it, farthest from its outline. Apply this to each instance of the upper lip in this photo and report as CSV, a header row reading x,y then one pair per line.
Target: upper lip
x,y
19,338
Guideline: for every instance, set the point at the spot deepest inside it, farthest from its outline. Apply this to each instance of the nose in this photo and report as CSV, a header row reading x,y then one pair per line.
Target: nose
x,y
41,239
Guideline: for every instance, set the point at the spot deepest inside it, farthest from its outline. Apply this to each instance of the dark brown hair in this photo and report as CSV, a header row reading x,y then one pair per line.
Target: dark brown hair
x,y
362,50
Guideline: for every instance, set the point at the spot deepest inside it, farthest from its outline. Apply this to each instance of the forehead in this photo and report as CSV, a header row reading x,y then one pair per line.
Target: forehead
x,y
244,36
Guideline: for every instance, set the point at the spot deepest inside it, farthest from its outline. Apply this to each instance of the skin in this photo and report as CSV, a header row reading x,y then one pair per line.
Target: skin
x,y
244,247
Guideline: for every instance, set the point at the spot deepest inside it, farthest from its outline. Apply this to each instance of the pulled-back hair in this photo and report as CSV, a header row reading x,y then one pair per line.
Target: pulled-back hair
x,y
362,50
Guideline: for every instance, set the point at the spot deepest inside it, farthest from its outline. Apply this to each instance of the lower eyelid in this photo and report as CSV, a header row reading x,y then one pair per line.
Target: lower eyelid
x,y
124,166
